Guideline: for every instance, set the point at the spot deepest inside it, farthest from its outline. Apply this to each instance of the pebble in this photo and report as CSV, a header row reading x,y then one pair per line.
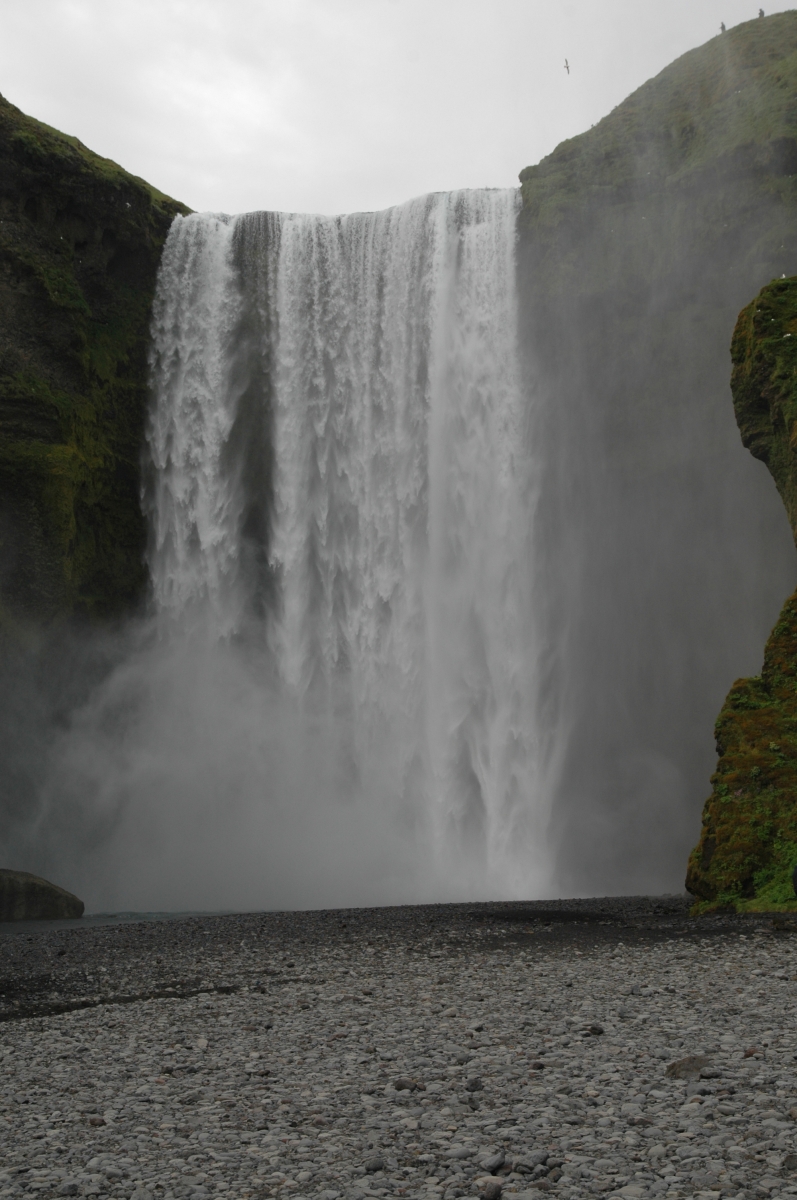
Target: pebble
x,y
334,1056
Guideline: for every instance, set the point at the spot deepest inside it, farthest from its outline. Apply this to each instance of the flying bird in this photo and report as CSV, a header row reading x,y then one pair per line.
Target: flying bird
x,y
567,66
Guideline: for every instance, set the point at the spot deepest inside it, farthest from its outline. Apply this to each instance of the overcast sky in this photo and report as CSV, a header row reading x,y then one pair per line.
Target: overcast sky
x,y
336,105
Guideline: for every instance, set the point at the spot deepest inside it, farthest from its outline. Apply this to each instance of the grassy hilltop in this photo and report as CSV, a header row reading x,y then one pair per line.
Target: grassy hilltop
x,y
722,111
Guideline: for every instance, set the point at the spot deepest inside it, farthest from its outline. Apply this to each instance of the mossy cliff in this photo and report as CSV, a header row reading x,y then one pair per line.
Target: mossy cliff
x,y
748,844
764,385
80,242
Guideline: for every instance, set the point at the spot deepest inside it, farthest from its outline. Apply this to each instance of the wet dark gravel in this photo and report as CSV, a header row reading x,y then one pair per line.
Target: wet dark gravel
x,y
431,1051
50,967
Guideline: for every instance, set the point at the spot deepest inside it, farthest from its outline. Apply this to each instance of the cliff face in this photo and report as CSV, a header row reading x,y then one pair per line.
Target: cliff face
x,y
748,843
80,242
661,553
664,550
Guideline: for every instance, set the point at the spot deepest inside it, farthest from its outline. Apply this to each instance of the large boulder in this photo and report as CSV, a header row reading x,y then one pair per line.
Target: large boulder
x,y
26,897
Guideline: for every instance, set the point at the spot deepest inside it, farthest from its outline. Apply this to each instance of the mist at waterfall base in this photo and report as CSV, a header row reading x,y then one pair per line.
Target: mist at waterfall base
x,y
334,702
422,628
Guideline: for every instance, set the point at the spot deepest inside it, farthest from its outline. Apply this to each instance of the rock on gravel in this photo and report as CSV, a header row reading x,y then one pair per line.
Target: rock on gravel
x,y
270,1055
26,897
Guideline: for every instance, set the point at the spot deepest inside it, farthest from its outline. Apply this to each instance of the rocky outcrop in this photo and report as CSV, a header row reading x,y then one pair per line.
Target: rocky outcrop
x,y
748,843
25,897
764,385
80,243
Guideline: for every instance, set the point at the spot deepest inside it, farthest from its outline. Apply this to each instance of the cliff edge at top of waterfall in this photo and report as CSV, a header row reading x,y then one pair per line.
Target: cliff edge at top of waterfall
x,y
720,114
80,243
748,843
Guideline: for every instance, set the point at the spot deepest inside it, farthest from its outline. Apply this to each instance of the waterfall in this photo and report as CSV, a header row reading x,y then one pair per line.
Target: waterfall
x,y
342,471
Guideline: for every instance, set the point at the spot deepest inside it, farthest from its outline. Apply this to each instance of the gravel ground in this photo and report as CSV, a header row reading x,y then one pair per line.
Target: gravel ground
x,y
583,1048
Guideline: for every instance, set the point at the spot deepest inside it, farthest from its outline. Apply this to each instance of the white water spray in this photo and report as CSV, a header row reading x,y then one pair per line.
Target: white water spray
x,y
340,704
402,490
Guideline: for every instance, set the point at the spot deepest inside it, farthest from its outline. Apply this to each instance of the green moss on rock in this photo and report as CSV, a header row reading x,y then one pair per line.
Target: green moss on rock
x,y
80,243
748,844
764,384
